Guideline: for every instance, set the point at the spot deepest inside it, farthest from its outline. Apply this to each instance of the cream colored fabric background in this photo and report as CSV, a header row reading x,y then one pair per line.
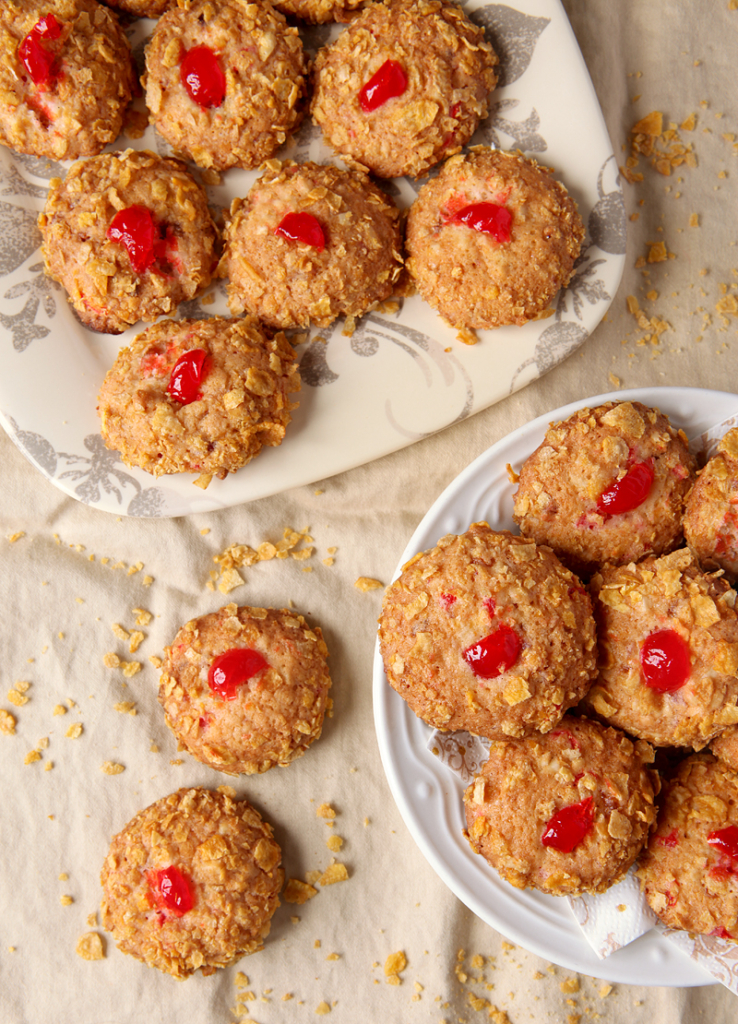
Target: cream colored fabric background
x,y
59,604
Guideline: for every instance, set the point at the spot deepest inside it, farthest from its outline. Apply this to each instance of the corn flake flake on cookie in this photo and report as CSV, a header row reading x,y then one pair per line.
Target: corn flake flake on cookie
x,y
192,882
245,689
711,516
66,77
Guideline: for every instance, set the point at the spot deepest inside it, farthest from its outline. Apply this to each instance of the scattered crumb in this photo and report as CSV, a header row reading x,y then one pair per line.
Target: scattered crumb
x,y
394,965
111,768
90,946
66,900
322,1008
325,811
334,843
569,985
7,723
125,707
74,731
366,583
297,891
334,873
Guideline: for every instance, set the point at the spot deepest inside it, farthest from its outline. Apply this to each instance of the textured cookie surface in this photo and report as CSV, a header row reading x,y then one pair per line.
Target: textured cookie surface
x,y
564,813
191,883
711,516
492,239
488,632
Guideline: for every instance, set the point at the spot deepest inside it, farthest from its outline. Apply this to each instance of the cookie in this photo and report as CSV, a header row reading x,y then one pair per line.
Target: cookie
x,y
245,689
492,239
318,12
565,813
711,516
198,396
225,82
308,244
725,747
606,486
66,77
488,632
403,86
668,640
129,236
142,8
192,882
689,870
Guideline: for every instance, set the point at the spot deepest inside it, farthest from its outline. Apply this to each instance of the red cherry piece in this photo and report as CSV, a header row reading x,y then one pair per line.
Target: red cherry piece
x,y
567,828
188,373
494,654
202,77
233,669
386,83
630,492
665,661
40,62
134,228
302,227
725,840
489,218
170,889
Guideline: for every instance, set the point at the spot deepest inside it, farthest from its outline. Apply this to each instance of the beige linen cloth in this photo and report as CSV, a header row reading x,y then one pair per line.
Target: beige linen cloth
x,y
61,598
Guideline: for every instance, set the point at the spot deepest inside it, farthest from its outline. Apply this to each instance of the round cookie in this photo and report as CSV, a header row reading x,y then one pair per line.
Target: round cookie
x,y
565,813
224,82
725,746
198,396
488,632
404,86
689,870
245,689
711,517
66,77
668,638
607,485
192,882
492,239
129,236
317,12
310,243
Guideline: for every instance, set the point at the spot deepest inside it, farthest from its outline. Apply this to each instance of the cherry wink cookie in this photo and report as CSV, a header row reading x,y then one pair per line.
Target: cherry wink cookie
x,y
565,813
318,12
198,396
310,243
668,637
224,81
607,485
245,689
404,86
129,236
492,239
192,882
711,517
66,77
689,870
488,632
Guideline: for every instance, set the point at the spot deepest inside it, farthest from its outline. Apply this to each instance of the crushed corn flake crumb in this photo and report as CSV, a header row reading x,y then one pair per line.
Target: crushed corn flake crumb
x,y
7,723
74,731
325,811
297,891
366,583
90,946
111,768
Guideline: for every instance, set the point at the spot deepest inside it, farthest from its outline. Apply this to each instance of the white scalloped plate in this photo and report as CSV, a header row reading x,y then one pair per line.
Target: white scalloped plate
x,y
398,379
430,797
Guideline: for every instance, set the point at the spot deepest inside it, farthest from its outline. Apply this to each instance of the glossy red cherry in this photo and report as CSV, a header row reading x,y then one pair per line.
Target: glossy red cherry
x,y
567,828
387,82
725,840
39,61
489,218
628,493
188,373
496,653
134,228
202,77
302,227
231,670
665,661
170,889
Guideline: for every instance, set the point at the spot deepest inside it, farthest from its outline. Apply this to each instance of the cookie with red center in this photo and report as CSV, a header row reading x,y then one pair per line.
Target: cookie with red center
x,y
225,82
488,632
404,86
711,516
492,239
192,882
66,78
668,651
245,689
689,869
198,396
607,485
565,813
310,243
129,235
